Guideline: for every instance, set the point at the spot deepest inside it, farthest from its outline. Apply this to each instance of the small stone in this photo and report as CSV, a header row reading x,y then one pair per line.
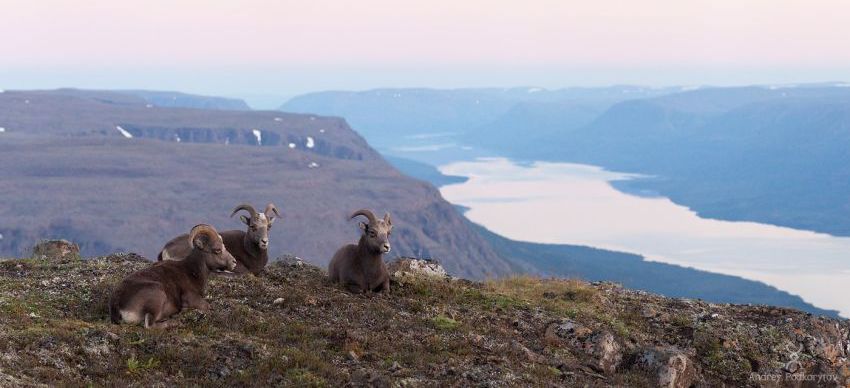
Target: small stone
x,y
395,367
477,338
670,367
405,266
607,352
290,260
278,301
522,349
353,356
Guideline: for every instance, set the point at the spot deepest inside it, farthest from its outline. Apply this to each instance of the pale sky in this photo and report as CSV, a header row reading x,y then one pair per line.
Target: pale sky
x,y
286,47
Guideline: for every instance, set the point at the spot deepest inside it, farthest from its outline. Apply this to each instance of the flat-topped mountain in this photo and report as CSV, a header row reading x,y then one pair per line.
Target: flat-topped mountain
x,y
115,173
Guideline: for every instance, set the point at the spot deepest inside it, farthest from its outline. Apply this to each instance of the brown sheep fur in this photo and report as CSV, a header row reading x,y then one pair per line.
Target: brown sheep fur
x,y
152,295
250,248
360,267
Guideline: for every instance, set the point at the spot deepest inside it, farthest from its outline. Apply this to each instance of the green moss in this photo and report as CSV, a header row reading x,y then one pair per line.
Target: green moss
x,y
442,322
135,366
302,377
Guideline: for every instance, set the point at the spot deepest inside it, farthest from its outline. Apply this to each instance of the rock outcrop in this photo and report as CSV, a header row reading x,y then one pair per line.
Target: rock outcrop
x,y
56,249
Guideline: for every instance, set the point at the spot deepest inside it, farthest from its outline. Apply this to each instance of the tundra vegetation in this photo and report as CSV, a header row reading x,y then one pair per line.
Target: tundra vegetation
x,y
291,326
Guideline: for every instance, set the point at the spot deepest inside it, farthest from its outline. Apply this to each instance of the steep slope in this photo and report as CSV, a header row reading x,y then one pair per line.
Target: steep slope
x,y
69,170
289,327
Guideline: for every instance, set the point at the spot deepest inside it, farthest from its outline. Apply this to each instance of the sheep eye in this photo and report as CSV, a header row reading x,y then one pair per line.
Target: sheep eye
x,y
372,234
217,251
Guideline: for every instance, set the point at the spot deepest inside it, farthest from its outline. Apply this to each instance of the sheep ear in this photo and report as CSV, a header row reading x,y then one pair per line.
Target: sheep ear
x,y
387,219
245,220
362,225
199,242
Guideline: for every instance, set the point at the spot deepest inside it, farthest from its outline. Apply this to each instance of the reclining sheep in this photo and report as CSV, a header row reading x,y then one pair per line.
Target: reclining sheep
x,y
154,294
361,268
250,248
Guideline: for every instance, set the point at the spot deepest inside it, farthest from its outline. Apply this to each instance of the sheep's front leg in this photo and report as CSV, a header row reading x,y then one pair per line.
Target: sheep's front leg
x,y
354,288
384,287
197,302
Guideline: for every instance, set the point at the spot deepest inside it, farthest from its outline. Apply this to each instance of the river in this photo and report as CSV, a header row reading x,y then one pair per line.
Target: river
x,y
562,203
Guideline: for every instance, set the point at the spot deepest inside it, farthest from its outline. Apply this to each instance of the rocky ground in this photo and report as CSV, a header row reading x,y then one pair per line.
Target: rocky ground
x,y
289,326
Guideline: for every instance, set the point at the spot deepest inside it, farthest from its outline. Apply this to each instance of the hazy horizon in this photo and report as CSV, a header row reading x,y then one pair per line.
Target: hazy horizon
x,y
272,99
259,50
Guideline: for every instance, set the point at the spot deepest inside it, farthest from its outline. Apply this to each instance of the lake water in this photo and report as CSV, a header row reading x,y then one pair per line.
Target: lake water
x,y
575,204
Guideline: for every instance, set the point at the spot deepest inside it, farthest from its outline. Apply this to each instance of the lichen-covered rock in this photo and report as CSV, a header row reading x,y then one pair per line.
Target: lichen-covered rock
x,y
56,249
405,267
290,260
670,367
607,351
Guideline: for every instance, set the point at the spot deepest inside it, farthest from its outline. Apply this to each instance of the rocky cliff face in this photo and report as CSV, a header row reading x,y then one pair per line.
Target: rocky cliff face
x,y
289,326
114,173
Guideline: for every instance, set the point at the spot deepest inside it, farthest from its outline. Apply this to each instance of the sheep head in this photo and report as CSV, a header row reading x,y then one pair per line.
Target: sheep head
x,y
376,234
206,240
258,223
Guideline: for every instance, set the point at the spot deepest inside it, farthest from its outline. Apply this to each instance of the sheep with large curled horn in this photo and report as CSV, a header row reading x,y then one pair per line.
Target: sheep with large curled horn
x,y
360,267
152,295
249,247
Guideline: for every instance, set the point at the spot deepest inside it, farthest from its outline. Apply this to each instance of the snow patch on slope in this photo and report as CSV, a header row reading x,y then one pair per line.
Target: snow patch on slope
x,y
124,132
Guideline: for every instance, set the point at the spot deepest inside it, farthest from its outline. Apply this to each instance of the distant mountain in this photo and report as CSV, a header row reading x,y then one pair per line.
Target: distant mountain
x,y
153,98
386,116
109,172
773,155
183,100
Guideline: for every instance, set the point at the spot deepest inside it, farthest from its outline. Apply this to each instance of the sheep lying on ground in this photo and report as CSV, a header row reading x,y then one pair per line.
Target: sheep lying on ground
x,y
154,294
360,267
250,248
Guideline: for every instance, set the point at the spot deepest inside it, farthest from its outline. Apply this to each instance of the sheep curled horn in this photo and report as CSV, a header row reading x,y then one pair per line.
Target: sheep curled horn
x,y
250,209
371,216
249,247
